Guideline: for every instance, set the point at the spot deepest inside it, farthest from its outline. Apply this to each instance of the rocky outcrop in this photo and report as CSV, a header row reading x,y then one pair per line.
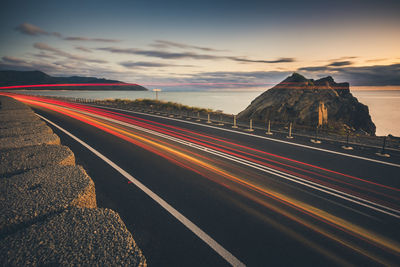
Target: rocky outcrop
x,y
297,99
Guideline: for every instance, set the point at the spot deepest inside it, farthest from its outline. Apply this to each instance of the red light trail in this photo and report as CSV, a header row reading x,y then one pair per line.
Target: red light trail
x,y
65,85
149,135
206,84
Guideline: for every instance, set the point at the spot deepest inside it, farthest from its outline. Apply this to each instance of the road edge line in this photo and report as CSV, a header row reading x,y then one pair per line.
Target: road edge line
x,y
229,257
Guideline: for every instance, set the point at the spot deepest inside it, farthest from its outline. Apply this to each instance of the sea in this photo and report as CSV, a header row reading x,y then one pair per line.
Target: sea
x,y
384,105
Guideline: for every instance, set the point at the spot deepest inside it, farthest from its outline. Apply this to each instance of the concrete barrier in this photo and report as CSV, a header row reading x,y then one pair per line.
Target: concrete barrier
x,y
49,214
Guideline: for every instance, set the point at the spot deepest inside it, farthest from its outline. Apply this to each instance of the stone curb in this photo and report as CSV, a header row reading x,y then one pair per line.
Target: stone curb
x,y
48,205
20,124
27,158
88,237
24,130
39,193
28,140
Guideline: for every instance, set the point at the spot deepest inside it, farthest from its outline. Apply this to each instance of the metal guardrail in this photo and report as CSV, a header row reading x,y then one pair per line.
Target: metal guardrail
x,y
291,130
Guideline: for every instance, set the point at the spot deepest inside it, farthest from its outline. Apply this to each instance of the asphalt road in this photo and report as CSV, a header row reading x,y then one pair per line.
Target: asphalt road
x,y
266,202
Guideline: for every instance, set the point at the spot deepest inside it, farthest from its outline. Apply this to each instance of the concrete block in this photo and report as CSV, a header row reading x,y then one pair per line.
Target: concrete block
x,y
39,193
20,160
28,140
25,130
76,237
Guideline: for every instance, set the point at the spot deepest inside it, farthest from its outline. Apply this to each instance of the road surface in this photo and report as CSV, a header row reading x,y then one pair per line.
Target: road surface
x,y
195,194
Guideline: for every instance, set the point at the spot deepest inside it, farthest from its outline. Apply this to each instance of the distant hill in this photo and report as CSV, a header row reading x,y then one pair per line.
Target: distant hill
x,y
13,78
297,99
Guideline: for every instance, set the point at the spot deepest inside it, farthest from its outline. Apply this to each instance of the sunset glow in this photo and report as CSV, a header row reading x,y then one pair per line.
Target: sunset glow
x,y
206,45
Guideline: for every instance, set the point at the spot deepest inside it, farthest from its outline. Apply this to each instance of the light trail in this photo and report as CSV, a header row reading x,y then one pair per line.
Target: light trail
x,y
121,117
296,176
294,85
229,257
66,85
110,123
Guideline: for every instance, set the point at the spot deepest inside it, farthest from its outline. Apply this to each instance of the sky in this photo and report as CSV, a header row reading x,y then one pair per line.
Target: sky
x,y
204,44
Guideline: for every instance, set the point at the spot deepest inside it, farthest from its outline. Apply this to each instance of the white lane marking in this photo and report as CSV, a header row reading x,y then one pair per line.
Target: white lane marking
x,y
257,136
179,216
287,176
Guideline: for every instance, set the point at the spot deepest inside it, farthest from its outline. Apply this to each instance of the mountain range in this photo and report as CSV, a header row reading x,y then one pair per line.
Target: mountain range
x,y
18,78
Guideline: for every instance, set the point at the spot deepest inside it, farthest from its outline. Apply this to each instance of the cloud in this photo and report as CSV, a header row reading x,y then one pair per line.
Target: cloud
x,y
43,55
78,38
186,55
66,68
12,60
314,69
58,52
30,29
84,49
244,76
372,75
33,30
143,64
340,63
376,75
46,47
167,44
376,60
157,54
130,64
279,60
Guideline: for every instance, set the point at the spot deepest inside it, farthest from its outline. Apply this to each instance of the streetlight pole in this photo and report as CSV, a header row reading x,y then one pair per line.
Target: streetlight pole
x,y
157,90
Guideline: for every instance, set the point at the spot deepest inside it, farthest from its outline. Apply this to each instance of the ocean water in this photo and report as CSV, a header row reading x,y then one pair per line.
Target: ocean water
x,y
384,105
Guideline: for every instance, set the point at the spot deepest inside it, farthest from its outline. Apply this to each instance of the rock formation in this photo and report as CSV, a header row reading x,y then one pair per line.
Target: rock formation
x,y
298,100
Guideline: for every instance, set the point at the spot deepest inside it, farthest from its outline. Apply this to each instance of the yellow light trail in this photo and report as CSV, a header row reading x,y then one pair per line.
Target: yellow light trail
x,y
299,205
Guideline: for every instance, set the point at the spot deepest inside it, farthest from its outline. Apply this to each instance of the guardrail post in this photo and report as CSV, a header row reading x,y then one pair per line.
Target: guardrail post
x,y
198,116
208,118
220,123
290,132
316,141
347,146
250,126
382,153
234,122
383,145
269,128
